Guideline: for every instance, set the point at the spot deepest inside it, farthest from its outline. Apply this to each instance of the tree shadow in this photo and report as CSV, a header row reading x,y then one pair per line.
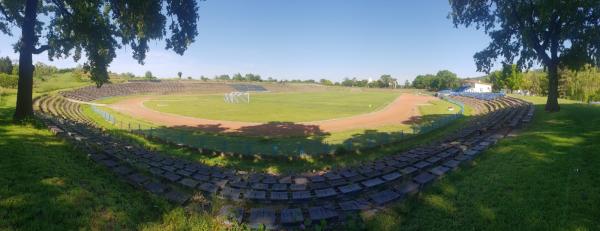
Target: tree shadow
x,y
49,185
307,149
543,178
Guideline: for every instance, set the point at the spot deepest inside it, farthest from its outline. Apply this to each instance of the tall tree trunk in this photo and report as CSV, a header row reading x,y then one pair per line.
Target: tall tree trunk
x,y
25,89
552,101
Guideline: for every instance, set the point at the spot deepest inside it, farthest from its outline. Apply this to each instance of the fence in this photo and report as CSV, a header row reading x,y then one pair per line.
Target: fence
x,y
252,146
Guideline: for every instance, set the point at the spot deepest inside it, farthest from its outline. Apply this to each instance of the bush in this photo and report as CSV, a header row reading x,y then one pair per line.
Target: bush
x,y
8,81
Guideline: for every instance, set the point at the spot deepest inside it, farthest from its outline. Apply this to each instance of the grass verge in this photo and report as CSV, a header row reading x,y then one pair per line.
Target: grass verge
x,y
546,178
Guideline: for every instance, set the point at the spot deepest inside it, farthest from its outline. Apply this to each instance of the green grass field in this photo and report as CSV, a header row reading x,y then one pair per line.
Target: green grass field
x,y
265,107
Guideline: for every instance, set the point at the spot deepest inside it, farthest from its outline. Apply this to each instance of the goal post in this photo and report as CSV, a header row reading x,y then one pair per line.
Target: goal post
x,y
237,97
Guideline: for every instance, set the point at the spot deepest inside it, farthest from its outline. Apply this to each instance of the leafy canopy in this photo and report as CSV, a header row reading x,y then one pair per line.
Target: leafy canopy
x,y
548,32
96,28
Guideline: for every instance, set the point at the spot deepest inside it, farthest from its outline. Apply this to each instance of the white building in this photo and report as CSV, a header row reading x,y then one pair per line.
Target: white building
x,y
477,88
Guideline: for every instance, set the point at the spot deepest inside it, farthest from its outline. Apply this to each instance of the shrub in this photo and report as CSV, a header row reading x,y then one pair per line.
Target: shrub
x,y
8,81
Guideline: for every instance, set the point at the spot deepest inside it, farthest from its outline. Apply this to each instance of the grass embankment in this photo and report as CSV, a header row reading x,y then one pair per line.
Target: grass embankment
x,y
281,165
546,178
45,184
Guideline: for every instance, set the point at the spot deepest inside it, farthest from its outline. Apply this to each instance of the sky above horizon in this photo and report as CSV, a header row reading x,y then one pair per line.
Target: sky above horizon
x,y
310,39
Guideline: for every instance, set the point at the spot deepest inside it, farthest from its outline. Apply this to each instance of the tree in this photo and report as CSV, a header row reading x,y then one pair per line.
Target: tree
x,y
148,75
512,76
326,82
237,77
445,79
179,74
386,81
94,28
223,77
497,80
407,84
551,33
6,65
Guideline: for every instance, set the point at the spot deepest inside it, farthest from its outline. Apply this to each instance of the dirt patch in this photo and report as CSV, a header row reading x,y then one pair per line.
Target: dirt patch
x,y
402,109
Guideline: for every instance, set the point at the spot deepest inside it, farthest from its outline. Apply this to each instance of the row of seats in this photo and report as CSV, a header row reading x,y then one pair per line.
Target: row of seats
x,y
91,93
480,96
61,107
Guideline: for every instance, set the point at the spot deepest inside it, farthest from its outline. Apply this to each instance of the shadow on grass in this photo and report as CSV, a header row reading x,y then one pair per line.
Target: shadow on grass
x,y
45,184
546,178
286,155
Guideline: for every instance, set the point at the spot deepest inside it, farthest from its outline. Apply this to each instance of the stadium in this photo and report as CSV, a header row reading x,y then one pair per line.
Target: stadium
x,y
203,118
299,115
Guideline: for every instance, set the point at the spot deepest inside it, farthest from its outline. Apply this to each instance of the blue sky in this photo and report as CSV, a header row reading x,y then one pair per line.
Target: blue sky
x,y
313,39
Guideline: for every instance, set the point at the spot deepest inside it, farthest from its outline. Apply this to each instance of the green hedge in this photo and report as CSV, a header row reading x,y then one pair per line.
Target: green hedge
x,y
8,81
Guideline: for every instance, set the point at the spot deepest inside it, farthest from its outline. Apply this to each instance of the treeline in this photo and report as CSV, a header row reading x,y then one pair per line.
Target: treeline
x,y
582,85
442,80
384,81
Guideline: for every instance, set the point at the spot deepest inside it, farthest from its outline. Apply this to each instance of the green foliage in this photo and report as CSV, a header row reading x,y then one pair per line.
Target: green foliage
x,y
513,77
98,28
551,33
239,77
384,81
535,82
510,77
444,79
222,77
6,65
179,74
326,82
583,85
252,77
43,71
15,70
148,76
527,30
8,81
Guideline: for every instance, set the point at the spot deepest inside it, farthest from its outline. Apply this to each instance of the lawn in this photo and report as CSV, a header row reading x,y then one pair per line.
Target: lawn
x,y
46,184
265,107
546,178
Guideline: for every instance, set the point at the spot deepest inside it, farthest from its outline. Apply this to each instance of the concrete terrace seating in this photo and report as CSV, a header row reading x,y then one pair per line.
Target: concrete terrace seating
x,y
109,90
247,87
279,201
480,96
60,107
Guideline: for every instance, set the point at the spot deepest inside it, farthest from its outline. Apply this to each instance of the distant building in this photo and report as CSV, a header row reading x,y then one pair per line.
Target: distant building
x,y
474,86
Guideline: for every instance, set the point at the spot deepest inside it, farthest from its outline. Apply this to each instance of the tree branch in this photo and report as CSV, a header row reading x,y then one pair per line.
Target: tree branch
x,y
3,11
40,49
534,40
62,8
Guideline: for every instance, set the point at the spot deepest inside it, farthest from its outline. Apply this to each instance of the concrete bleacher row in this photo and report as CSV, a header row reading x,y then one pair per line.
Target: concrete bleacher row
x,y
91,93
60,107
480,96
289,200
